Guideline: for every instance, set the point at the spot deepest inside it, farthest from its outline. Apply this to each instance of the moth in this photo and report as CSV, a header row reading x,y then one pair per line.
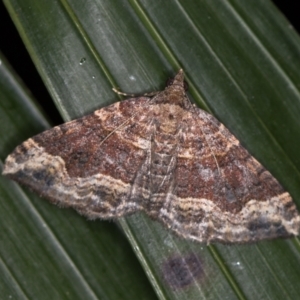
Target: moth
x,y
164,156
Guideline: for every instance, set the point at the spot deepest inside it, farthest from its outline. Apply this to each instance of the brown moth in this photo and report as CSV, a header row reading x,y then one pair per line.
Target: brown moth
x,y
164,156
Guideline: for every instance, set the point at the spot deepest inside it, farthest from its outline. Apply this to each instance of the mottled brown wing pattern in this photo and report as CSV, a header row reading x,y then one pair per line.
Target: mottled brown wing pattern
x,y
164,156
223,194
90,164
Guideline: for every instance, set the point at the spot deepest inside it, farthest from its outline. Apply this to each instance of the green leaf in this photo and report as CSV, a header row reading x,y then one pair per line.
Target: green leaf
x,y
240,59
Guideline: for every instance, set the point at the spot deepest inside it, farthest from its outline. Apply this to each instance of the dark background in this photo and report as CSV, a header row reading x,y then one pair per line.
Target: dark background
x,y
14,50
